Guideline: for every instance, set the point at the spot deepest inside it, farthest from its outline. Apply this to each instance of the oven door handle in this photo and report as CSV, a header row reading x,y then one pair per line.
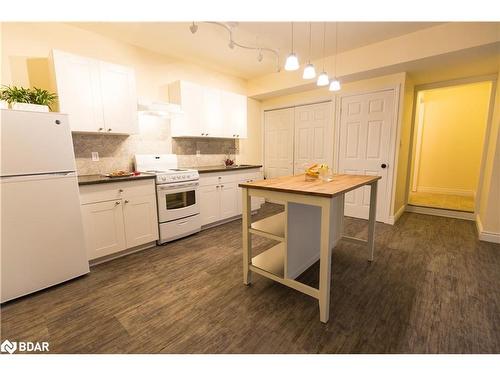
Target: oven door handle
x,y
177,186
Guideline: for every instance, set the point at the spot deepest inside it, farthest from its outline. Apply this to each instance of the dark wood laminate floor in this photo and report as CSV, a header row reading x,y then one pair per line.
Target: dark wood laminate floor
x,y
433,288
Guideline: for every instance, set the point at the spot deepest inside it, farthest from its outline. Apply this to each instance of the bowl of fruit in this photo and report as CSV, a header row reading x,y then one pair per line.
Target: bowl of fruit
x,y
316,171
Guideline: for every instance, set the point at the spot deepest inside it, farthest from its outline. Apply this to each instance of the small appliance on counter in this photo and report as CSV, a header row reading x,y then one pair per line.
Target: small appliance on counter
x,y
42,231
176,194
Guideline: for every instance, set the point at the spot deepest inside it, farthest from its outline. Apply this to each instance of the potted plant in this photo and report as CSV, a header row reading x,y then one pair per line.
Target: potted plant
x,y
25,99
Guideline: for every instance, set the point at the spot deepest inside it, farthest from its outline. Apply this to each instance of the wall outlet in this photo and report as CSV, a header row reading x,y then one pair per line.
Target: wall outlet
x,y
95,156
198,153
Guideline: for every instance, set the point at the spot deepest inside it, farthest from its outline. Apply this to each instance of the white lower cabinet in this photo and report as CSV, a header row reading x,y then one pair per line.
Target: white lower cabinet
x,y
139,218
209,204
103,226
229,200
118,216
220,196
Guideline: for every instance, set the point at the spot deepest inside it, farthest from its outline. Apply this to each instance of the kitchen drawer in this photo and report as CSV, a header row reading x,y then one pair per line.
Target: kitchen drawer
x,y
173,230
116,190
216,178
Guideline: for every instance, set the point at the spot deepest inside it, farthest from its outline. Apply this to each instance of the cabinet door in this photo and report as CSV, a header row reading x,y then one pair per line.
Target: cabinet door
x,y
103,226
190,97
78,89
209,204
212,113
228,200
234,115
119,98
141,223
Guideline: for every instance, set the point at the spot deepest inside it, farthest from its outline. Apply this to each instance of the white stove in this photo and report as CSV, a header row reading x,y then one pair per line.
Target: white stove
x,y
176,194
165,168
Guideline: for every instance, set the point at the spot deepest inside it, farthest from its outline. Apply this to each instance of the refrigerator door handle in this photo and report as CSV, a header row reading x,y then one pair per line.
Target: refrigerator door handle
x,y
40,176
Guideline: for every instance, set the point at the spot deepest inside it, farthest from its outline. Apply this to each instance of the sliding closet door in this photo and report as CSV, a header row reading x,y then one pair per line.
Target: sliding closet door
x,y
313,136
278,142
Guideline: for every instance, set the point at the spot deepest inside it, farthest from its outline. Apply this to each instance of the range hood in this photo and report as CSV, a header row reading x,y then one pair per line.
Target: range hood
x,y
157,108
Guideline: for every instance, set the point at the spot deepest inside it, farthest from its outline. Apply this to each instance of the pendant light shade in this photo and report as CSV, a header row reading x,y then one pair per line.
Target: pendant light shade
x,y
292,62
309,72
323,79
334,85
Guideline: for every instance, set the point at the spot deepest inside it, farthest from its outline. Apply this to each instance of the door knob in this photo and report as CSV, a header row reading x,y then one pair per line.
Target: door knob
x,y
383,165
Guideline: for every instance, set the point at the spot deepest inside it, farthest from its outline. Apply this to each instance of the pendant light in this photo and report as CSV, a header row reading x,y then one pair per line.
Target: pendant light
x,y
323,79
309,71
335,84
292,62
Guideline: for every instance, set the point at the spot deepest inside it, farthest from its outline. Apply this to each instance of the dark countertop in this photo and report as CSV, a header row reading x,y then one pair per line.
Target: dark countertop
x,y
91,179
222,168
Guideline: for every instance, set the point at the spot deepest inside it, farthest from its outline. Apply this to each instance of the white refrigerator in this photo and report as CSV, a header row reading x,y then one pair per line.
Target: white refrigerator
x,y
41,237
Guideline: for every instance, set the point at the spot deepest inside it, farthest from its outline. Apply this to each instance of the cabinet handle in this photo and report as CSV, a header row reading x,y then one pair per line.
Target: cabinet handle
x,y
109,129
117,203
222,186
120,190
101,129
126,201
202,134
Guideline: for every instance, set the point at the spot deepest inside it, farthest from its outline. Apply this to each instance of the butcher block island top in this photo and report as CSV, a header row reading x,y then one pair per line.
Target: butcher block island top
x,y
341,184
307,231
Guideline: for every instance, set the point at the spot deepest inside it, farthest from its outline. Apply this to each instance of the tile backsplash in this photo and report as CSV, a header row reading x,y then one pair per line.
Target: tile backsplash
x,y
116,152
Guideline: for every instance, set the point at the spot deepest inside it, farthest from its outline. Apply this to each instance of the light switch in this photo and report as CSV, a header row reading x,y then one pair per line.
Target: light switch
x,y
95,156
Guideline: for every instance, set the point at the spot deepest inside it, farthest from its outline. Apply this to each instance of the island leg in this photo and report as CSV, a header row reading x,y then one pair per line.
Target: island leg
x,y
325,263
247,240
372,219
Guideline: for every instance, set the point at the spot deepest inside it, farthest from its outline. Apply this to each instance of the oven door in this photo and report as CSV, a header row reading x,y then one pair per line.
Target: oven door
x,y
177,200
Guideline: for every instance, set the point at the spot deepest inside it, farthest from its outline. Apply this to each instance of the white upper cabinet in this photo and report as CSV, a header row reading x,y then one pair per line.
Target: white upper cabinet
x,y
119,99
99,97
234,114
208,112
191,97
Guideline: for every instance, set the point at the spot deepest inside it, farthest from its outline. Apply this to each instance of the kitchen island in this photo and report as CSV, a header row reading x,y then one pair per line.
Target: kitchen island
x,y
308,229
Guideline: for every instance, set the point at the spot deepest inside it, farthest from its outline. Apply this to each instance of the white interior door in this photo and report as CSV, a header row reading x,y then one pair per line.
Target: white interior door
x,y
366,122
278,142
313,135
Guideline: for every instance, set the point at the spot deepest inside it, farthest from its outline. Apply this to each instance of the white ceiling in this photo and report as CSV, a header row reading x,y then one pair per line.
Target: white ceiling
x,y
209,45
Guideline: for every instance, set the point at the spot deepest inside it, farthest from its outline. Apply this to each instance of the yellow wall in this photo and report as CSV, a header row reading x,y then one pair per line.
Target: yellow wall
x,y
454,125
404,146
489,211
251,148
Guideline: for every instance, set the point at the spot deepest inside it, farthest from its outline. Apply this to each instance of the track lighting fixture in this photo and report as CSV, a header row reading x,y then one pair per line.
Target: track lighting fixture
x,y
193,28
233,43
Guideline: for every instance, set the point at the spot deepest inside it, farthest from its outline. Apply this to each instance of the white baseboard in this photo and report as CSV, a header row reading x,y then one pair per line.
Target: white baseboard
x,y
485,235
392,219
441,212
441,190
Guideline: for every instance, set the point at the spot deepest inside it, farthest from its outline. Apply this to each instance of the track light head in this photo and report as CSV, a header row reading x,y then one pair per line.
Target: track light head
x,y
260,56
193,28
